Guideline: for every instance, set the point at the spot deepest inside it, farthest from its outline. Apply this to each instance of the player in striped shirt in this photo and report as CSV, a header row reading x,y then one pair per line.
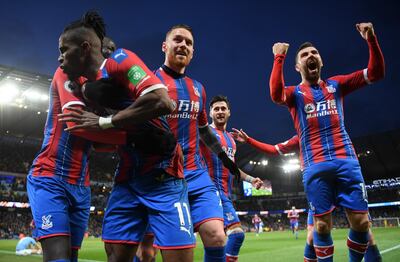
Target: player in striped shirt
x,y
289,146
149,185
332,174
220,113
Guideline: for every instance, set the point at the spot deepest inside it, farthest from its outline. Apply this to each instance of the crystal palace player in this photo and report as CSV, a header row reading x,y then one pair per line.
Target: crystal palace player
x,y
222,178
58,181
149,185
189,123
332,174
293,215
289,146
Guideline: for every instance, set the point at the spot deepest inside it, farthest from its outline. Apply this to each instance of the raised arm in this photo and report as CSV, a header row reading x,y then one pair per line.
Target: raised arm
x,y
276,81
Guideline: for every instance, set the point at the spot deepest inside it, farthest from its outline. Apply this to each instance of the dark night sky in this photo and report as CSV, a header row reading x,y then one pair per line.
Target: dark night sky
x,y
233,56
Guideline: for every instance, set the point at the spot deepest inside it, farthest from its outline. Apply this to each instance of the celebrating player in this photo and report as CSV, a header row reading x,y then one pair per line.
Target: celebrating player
x,y
149,185
220,113
293,215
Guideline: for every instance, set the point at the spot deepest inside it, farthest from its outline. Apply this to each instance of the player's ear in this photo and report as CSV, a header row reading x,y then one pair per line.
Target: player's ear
x,y
86,47
297,67
164,46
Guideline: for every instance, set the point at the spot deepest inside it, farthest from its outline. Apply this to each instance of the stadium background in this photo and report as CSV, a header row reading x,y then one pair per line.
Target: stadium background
x,y
233,43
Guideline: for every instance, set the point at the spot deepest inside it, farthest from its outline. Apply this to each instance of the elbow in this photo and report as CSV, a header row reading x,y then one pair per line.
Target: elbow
x,y
164,106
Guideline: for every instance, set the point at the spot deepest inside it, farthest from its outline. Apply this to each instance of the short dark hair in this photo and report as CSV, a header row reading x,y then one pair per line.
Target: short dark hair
x,y
91,19
301,47
220,98
184,26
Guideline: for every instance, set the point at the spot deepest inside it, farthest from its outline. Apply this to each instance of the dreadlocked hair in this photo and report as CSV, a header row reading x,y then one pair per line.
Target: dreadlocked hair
x,y
91,19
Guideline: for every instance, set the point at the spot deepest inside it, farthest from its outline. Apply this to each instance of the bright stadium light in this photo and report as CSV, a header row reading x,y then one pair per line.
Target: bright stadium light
x,y
8,92
264,162
290,167
44,97
32,95
251,162
293,161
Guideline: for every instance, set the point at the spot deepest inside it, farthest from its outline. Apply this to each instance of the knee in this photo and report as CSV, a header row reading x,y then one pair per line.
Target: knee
x,y
215,238
237,234
362,225
322,227
148,253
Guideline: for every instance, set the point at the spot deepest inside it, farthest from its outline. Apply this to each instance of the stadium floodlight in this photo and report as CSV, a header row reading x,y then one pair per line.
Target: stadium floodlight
x,y
44,97
8,92
251,162
264,162
293,161
32,95
290,167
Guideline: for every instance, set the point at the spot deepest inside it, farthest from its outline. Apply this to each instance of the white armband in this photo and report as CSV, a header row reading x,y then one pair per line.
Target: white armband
x,y
106,122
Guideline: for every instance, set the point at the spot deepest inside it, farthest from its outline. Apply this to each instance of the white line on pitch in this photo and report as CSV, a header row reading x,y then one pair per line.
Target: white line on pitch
x,y
390,249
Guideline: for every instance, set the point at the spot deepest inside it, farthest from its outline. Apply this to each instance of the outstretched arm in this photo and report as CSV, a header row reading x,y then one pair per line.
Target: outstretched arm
x,y
276,82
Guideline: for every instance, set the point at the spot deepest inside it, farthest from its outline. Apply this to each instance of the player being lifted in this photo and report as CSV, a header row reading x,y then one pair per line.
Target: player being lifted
x,y
220,113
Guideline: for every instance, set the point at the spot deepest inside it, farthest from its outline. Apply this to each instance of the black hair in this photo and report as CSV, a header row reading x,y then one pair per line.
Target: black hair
x,y
301,47
184,26
91,19
220,98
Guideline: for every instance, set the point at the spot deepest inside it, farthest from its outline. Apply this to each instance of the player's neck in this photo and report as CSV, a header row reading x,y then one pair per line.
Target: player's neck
x,y
93,68
177,68
310,82
221,127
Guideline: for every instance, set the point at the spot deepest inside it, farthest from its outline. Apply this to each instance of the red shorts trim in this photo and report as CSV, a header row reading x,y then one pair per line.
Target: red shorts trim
x,y
174,247
121,242
327,212
233,224
53,235
76,248
196,226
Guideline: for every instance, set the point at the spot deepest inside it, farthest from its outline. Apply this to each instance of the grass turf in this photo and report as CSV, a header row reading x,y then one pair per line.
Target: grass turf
x,y
270,247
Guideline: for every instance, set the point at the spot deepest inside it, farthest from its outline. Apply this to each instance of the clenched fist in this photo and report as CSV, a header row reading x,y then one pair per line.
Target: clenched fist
x,y
366,30
280,48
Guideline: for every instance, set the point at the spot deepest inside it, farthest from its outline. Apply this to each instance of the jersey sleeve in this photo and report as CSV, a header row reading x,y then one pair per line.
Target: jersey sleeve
x,y
130,71
279,93
374,71
289,146
203,114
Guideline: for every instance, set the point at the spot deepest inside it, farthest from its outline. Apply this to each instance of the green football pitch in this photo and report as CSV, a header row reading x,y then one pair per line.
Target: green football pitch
x,y
269,246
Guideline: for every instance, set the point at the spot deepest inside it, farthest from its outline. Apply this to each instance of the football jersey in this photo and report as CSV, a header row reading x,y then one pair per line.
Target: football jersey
x,y
220,174
189,114
317,111
62,154
293,216
279,149
128,71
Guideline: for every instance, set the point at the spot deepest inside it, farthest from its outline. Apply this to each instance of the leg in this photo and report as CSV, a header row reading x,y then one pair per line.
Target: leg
x,y
213,237
120,252
177,255
56,248
236,237
372,254
357,241
146,252
309,252
323,243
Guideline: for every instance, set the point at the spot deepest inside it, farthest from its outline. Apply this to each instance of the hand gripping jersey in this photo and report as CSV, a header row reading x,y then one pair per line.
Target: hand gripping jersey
x,y
317,111
62,154
130,73
220,174
189,114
